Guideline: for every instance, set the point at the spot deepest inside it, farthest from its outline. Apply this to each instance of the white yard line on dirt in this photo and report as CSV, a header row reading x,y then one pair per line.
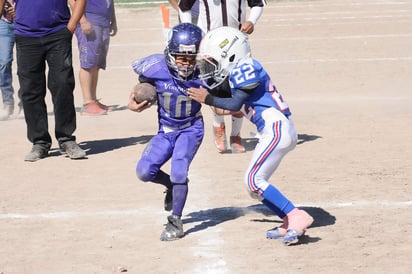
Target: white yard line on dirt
x,y
142,211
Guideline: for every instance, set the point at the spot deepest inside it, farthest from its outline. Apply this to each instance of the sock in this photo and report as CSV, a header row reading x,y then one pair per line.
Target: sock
x,y
236,126
163,179
273,196
179,198
218,120
273,208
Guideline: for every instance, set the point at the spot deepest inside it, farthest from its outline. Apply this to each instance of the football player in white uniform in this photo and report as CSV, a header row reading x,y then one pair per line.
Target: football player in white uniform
x,y
224,53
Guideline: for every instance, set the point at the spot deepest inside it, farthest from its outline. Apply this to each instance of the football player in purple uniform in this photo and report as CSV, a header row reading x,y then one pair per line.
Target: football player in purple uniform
x,y
181,126
225,54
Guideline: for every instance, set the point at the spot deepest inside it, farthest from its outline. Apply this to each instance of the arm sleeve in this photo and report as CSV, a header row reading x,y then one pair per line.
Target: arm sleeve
x,y
234,103
222,90
255,13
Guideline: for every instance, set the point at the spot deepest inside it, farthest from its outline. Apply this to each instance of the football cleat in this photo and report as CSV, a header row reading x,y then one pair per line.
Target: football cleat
x,y
292,236
173,230
236,144
298,222
276,233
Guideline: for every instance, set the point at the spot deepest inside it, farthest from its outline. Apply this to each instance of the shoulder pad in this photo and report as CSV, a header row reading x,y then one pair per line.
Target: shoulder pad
x,y
146,65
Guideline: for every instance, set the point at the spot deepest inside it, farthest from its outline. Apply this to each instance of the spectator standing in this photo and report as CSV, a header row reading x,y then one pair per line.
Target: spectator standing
x,y
44,39
93,36
6,57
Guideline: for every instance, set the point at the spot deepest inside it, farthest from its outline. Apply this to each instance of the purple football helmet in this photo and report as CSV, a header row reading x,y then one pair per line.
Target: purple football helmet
x,y
183,40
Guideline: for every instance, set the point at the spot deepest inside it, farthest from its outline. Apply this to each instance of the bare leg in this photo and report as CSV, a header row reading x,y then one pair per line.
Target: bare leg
x,y
88,82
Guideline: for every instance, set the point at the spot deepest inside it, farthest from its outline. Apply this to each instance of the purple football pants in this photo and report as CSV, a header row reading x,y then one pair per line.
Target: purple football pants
x,y
180,147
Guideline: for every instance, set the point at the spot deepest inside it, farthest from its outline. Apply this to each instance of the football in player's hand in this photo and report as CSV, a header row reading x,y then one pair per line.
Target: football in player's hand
x,y
145,91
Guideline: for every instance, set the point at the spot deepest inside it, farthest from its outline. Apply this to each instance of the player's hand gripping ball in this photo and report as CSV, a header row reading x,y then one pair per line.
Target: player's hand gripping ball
x,y
145,92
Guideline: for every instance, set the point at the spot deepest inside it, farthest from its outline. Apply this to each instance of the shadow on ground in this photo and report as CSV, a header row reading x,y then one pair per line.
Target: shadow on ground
x,y
101,146
250,143
212,217
113,108
303,138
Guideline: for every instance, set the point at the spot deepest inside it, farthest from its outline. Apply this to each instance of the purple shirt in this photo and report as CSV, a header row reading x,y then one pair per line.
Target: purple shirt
x,y
99,12
40,18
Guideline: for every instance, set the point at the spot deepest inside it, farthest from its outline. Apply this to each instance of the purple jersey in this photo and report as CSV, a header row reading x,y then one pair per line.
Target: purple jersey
x,y
247,73
41,17
175,109
99,12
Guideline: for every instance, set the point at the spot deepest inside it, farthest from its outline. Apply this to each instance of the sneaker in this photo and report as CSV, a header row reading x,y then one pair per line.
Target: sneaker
x,y
4,116
168,199
20,112
299,221
220,137
9,109
72,150
6,112
236,144
275,233
103,106
173,230
37,152
92,109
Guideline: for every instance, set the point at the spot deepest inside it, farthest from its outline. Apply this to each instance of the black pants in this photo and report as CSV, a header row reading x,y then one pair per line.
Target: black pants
x,y
32,56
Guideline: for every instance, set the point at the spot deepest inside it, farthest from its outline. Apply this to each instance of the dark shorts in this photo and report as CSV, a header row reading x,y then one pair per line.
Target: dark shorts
x,y
93,48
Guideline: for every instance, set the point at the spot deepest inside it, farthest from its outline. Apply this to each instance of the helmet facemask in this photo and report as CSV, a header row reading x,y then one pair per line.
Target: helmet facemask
x,y
211,73
182,65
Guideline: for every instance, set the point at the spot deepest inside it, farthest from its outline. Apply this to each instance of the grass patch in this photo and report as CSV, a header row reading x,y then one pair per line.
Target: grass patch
x,y
140,2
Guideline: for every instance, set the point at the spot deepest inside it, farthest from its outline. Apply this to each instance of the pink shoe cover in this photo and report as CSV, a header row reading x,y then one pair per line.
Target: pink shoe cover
x,y
299,221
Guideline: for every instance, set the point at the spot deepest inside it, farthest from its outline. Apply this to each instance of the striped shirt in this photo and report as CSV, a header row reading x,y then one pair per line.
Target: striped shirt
x,y
215,13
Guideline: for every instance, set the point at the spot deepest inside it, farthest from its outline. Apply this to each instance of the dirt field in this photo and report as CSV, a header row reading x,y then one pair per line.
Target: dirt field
x,y
344,67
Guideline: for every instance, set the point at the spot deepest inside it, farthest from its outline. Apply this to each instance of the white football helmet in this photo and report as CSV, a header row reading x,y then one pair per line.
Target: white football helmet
x,y
220,50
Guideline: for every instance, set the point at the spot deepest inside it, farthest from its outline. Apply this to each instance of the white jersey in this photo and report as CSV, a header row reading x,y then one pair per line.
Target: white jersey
x,y
218,13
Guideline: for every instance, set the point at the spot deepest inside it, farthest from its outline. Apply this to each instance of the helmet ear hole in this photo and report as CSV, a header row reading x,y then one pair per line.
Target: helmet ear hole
x,y
231,58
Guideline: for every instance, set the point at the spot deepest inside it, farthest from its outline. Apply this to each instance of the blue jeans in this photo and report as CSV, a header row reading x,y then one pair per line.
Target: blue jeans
x,y
6,60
